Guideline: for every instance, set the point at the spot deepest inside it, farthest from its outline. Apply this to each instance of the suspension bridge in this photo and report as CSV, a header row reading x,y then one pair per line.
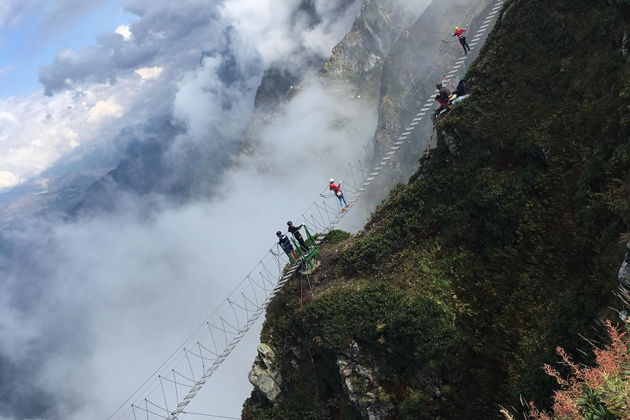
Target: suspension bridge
x,y
167,393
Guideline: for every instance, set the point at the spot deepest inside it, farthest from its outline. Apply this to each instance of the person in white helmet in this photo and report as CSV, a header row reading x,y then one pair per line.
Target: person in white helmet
x,y
336,188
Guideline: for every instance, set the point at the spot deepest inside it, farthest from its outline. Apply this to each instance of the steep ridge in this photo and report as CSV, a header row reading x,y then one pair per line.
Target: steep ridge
x,y
505,243
416,62
419,58
360,56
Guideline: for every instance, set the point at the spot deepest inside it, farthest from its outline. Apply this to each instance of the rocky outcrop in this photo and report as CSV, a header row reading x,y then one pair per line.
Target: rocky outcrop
x,y
361,387
264,374
359,57
450,141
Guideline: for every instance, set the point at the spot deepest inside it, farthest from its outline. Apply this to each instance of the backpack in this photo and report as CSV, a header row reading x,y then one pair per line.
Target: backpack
x,y
462,87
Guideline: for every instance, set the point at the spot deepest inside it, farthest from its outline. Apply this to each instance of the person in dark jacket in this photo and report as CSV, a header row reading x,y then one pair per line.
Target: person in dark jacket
x,y
443,91
462,88
295,231
285,244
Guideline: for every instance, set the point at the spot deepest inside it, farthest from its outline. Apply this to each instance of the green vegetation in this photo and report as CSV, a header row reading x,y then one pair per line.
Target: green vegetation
x,y
498,250
336,236
381,316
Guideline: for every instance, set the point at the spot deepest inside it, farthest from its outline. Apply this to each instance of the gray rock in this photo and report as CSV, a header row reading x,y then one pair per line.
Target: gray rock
x,y
264,374
359,56
451,142
361,387
267,354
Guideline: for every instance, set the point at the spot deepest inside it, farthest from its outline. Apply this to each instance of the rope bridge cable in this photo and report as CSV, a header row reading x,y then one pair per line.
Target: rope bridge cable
x,y
416,80
210,415
169,390
411,90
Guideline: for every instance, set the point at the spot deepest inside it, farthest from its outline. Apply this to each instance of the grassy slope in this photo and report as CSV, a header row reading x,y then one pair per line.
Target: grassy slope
x,y
467,278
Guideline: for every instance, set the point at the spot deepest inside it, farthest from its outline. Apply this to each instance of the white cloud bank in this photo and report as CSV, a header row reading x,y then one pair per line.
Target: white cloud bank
x,y
121,291
284,34
105,109
36,130
8,179
148,73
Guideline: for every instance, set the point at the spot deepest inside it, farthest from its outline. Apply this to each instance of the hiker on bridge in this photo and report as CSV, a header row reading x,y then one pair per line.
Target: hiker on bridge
x,y
459,33
295,231
460,91
285,244
336,188
442,98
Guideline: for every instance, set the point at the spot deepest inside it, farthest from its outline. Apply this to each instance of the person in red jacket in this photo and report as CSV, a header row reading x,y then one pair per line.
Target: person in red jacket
x,y
459,33
442,97
443,104
336,188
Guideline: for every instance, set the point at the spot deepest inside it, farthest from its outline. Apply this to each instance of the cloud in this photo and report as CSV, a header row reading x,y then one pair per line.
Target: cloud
x,y
37,130
104,109
8,179
12,12
148,73
9,122
166,34
116,293
215,101
290,35
50,15
98,64
60,13
174,36
124,31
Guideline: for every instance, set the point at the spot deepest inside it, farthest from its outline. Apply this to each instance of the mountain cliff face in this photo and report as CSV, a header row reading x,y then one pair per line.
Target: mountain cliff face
x,y
360,56
357,59
416,63
504,244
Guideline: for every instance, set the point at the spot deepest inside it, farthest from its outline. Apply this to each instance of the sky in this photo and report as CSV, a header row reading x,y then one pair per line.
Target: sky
x,y
36,130
90,306
32,32
77,72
